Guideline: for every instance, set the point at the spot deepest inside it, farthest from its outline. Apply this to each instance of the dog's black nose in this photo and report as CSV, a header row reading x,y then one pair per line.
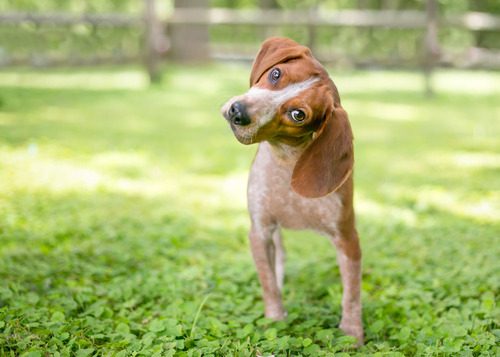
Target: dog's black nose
x,y
237,114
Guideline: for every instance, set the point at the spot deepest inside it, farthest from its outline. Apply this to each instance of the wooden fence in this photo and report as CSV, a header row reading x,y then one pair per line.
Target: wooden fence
x,y
473,21
156,44
154,41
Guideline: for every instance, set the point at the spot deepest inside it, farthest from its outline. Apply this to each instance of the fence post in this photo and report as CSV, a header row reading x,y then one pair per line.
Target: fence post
x,y
431,44
266,31
311,27
152,41
190,42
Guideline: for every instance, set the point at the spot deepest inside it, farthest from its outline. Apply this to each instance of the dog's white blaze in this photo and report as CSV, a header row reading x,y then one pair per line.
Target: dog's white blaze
x,y
270,100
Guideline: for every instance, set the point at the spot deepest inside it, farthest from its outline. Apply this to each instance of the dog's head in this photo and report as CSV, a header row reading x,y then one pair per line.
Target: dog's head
x,y
292,100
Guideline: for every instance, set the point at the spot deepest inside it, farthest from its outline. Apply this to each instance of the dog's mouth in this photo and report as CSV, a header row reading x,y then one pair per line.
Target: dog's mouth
x,y
244,135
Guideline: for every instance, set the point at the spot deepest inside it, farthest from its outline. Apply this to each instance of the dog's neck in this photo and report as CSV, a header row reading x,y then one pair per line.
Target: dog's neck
x,y
288,153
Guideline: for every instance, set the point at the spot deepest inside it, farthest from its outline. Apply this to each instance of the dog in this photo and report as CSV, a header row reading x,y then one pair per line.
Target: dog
x,y
301,177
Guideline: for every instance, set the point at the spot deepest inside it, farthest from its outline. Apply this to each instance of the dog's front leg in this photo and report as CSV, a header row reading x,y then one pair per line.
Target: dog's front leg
x,y
279,258
263,251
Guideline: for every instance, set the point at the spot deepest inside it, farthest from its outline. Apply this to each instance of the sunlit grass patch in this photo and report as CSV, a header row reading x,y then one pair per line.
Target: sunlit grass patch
x,y
123,224
471,83
67,79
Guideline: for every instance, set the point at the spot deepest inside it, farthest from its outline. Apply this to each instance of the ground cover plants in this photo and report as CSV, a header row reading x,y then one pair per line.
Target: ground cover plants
x,y
123,222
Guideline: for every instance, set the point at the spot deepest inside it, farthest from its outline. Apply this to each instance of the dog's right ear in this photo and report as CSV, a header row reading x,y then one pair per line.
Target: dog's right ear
x,y
273,51
327,162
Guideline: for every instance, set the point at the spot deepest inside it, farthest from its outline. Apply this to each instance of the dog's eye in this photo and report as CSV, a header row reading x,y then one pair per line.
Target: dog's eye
x,y
297,115
274,75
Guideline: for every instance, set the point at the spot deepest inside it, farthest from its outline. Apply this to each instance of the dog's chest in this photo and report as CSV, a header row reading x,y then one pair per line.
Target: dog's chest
x,y
270,195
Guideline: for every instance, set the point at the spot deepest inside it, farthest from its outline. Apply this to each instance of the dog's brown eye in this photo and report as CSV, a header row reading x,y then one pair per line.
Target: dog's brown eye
x,y
297,115
274,75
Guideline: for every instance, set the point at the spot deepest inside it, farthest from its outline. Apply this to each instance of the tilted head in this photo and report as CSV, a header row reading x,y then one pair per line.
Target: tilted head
x,y
293,101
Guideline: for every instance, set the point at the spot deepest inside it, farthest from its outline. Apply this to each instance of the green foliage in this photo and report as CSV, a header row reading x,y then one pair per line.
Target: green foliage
x,y
123,222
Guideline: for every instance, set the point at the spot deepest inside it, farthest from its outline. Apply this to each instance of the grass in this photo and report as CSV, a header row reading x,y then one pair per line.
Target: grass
x,y
123,223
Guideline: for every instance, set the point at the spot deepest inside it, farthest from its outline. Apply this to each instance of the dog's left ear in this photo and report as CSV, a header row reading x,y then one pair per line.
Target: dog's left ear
x,y
328,161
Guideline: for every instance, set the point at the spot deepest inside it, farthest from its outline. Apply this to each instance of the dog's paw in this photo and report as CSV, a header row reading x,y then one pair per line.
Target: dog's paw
x,y
276,314
355,330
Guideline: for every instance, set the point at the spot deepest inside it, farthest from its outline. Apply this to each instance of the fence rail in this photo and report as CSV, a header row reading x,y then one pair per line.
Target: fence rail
x,y
403,19
107,20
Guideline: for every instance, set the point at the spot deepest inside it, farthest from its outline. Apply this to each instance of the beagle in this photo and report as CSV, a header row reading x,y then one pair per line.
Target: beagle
x,y
301,177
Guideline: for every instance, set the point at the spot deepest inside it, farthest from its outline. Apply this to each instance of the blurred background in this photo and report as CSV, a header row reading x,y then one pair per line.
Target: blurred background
x,y
123,222
344,33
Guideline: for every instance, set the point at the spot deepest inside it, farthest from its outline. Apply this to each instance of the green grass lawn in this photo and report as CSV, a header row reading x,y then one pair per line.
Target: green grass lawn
x,y
123,227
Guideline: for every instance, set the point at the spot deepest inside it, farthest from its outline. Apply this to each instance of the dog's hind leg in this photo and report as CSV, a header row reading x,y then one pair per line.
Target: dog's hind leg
x,y
349,261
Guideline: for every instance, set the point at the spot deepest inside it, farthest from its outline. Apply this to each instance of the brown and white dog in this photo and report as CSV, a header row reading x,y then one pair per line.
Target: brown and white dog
x,y
301,177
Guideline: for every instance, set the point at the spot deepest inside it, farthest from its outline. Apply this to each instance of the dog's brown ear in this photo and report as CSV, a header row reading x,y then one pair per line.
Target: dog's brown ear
x,y
273,51
328,161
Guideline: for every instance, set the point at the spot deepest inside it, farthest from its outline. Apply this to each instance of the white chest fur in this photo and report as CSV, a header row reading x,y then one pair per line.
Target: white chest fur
x,y
271,199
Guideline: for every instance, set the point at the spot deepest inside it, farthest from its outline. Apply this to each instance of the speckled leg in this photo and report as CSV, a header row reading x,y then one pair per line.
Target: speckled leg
x,y
263,251
279,258
349,260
